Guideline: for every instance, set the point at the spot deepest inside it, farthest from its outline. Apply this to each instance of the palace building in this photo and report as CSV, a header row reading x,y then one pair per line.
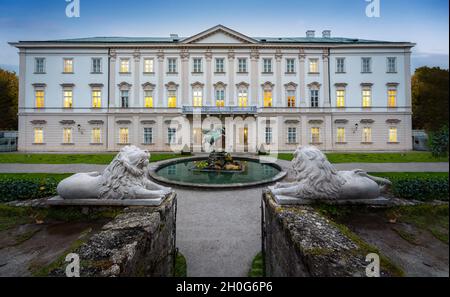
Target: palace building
x,y
100,94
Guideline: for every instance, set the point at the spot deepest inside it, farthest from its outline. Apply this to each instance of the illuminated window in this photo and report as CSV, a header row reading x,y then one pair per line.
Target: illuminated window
x,y
392,98
68,65
393,137
197,65
367,134
340,98
96,135
367,98
366,65
291,98
39,65
148,135
148,66
171,65
96,65
242,97
314,65
68,98
148,99
67,135
220,65
96,98
292,135
391,65
124,136
290,65
314,94
268,135
267,65
242,65
220,97
124,66
197,97
340,65
315,135
39,96
172,135
267,98
340,137
38,135
172,99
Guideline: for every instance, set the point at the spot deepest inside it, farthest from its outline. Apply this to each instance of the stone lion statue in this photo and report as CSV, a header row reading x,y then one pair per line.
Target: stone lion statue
x,y
126,177
314,177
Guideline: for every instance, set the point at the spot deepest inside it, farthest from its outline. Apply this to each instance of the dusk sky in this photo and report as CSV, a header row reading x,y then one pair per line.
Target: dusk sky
x,y
423,22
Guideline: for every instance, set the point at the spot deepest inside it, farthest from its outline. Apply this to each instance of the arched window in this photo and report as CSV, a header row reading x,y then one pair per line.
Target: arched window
x,y
290,94
267,94
314,94
220,94
148,94
124,89
172,94
242,94
197,94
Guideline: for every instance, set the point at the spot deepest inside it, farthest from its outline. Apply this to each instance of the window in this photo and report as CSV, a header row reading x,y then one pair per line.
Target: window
x,y
242,65
392,97
340,65
315,135
68,98
172,135
148,65
124,66
96,135
197,97
314,94
124,136
197,64
220,65
148,135
268,135
67,135
68,65
391,65
38,135
39,98
292,135
172,65
291,98
242,97
96,65
124,98
148,99
340,98
267,65
290,65
367,135
366,65
220,97
393,134
39,66
313,65
267,98
367,98
172,99
96,98
340,136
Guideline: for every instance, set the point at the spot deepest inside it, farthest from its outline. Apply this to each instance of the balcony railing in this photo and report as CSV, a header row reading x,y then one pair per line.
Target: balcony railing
x,y
220,110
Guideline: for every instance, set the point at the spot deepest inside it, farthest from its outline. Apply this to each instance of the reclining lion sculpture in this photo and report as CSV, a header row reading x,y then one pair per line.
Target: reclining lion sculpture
x,y
126,177
315,178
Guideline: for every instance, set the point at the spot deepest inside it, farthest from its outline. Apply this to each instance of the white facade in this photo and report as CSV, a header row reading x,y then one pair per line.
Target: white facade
x,y
99,94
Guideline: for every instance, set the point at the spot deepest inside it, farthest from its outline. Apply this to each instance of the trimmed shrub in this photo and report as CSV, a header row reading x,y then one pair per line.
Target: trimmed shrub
x,y
12,189
439,142
422,189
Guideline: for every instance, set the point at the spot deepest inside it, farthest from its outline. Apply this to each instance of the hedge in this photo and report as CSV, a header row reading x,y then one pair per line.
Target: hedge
x,y
12,189
422,188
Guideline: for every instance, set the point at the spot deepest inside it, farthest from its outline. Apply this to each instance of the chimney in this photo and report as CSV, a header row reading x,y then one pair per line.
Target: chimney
x,y
326,33
310,33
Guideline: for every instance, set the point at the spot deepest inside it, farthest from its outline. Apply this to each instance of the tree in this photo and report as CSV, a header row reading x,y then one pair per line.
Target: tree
x,y
430,98
9,91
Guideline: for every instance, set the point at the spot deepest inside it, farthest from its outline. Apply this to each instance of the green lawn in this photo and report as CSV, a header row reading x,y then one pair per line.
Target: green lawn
x,y
376,157
410,174
72,158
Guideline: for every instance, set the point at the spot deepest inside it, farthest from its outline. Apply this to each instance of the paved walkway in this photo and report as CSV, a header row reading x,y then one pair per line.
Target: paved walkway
x,y
369,167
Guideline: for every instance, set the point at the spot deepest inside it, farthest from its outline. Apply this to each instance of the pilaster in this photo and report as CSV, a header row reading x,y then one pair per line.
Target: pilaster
x,y
160,97
112,78
302,78
278,89
326,78
254,57
208,92
185,77
136,74
231,93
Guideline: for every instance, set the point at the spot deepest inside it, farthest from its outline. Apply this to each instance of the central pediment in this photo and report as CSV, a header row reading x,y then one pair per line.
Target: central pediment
x,y
219,35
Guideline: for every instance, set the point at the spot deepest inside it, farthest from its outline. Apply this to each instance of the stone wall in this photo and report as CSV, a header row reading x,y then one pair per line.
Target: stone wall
x,y
299,242
138,242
